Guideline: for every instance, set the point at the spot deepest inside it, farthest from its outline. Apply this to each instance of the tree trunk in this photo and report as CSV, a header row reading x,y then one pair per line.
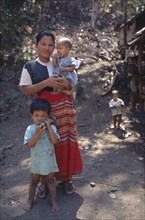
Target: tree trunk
x,y
94,13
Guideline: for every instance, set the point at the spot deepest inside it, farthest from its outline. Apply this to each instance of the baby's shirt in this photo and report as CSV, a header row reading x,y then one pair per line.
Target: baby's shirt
x,y
65,62
68,61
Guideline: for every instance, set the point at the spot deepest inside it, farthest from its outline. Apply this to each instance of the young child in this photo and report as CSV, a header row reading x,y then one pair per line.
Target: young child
x,y
116,108
40,138
64,65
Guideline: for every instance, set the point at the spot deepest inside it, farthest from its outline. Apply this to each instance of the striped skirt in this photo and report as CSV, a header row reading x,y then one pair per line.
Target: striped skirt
x,y
67,151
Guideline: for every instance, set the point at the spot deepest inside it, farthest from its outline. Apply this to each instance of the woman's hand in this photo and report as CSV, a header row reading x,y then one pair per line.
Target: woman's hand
x,y
53,82
65,83
58,82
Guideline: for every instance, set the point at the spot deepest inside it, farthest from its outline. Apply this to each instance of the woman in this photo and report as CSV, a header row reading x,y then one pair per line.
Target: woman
x,y
36,79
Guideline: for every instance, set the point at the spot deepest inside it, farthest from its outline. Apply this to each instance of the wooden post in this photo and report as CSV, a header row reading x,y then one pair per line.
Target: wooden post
x,y
140,71
94,13
125,25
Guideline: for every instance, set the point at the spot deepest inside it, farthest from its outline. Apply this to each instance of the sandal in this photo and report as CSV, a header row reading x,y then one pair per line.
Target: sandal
x,y
69,187
41,192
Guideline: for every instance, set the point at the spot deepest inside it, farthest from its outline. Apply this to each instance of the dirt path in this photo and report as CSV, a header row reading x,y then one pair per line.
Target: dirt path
x,y
114,164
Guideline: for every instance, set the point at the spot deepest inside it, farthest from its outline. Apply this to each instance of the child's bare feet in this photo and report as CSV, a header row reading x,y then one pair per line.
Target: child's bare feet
x,y
28,205
55,207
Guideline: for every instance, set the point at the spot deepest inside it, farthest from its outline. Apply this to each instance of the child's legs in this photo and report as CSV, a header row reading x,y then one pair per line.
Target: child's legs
x,y
114,120
51,186
35,178
119,119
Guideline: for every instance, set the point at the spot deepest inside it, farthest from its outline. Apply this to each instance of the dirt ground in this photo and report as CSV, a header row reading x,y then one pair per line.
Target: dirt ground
x,y
114,164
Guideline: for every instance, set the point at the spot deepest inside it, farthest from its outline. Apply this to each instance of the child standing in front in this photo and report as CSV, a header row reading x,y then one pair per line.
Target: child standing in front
x,y
116,105
64,65
40,138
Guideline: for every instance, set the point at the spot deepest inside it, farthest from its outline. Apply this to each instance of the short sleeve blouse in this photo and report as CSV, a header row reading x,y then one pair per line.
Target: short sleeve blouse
x,y
35,71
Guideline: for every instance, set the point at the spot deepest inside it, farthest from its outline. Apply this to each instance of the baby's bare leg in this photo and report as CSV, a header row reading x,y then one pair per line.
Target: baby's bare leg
x,y
32,188
52,190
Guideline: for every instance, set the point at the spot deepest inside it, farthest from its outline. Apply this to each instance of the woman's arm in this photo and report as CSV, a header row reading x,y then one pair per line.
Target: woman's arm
x,y
33,89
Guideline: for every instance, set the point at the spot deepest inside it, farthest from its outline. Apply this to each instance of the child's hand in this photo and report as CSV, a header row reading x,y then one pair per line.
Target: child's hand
x,y
40,129
48,122
118,104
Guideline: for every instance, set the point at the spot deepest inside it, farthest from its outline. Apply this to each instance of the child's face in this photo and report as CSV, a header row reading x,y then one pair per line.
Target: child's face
x,y
114,96
39,116
62,50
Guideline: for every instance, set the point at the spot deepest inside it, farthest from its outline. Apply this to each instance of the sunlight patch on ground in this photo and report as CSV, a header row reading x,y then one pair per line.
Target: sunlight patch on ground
x,y
9,172
25,163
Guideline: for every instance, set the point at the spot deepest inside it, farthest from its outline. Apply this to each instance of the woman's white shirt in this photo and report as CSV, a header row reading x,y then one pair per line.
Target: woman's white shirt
x,y
25,76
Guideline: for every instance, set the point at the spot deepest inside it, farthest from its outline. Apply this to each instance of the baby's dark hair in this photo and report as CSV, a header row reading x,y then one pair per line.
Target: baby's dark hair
x,y
40,105
65,41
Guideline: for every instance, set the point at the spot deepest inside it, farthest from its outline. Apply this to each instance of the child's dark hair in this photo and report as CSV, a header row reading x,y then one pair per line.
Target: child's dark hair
x,y
40,105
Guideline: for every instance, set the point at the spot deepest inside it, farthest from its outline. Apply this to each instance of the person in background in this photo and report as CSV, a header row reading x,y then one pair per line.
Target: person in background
x,y
134,76
37,80
65,65
40,137
116,105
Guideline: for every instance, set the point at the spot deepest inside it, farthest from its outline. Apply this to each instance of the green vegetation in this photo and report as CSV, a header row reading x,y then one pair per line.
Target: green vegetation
x,y
21,19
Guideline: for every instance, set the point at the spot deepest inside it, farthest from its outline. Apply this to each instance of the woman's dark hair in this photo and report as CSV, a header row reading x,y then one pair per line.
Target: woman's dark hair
x,y
40,105
41,34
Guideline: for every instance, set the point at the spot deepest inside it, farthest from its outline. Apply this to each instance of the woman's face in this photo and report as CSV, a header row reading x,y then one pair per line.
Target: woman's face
x,y
45,48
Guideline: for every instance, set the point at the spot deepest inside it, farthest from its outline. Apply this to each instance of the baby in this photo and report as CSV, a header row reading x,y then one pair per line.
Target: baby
x,y
64,65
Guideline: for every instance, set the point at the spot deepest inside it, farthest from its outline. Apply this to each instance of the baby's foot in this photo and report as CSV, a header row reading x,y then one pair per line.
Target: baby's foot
x,y
28,205
55,207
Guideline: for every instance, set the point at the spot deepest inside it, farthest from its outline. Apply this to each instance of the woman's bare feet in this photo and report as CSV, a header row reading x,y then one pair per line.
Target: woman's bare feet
x,y
55,207
28,205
